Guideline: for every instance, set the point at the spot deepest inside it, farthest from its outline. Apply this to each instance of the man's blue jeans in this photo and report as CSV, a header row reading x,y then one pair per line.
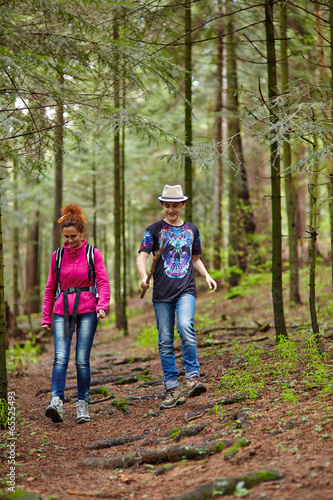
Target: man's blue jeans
x,y
165,312
85,332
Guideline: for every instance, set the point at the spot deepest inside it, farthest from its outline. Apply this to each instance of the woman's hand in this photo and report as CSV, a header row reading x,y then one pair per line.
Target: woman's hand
x,y
46,327
101,314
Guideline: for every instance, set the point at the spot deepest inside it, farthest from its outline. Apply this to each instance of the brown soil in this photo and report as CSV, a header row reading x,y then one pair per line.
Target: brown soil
x,y
284,437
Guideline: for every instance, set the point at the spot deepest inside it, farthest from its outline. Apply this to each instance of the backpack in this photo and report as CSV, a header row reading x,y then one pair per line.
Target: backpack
x,y
91,266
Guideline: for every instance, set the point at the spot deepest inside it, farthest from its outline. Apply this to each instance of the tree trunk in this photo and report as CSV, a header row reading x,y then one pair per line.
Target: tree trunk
x,y
3,369
331,222
117,199
291,193
32,283
331,174
218,240
188,111
313,247
277,295
16,243
241,221
94,197
59,145
123,231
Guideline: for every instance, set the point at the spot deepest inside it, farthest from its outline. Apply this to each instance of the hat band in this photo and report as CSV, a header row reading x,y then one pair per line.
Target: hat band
x,y
173,197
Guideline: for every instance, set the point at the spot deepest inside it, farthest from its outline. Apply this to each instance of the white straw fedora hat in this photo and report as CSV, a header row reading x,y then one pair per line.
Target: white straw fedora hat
x,y
173,194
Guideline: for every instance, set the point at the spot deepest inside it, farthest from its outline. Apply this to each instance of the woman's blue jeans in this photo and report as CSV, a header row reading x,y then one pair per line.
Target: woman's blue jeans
x,y
86,325
165,312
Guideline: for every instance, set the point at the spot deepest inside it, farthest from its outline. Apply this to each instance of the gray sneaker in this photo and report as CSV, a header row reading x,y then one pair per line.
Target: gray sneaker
x,y
173,398
82,414
55,410
194,387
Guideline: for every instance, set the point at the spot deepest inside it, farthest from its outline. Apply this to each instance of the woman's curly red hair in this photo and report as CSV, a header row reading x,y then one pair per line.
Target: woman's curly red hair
x,y
72,216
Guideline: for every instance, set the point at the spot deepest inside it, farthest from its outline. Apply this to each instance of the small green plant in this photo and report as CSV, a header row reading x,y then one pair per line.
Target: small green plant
x,y
148,337
3,413
289,395
217,410
240,490
17,356
103,390
120,404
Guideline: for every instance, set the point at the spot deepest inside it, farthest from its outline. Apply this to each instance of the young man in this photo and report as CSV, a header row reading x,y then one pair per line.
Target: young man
x,y
175,291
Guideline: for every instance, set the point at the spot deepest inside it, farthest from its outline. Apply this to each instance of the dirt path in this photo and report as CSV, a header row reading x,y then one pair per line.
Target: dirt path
x,y
282,437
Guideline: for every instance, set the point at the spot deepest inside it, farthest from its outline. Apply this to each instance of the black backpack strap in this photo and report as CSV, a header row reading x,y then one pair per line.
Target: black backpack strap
x,y
91,261
59,256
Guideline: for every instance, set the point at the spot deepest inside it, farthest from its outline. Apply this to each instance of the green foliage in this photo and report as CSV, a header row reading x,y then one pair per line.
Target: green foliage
x,y
121,404
17,356
103,390
240,490
3,413
148,337
240,443
290,369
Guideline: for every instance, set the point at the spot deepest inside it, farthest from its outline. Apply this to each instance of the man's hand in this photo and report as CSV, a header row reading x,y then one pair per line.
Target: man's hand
x,y
211,283
144,285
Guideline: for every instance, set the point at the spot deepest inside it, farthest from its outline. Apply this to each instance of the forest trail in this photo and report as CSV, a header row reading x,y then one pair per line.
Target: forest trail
x,y
173,452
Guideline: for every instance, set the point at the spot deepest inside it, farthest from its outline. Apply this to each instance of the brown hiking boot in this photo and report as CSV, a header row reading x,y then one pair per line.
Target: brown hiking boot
x,y
194,387
173,398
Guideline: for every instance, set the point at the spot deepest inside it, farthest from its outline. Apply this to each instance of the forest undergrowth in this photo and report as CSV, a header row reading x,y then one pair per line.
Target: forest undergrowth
x,y
263,430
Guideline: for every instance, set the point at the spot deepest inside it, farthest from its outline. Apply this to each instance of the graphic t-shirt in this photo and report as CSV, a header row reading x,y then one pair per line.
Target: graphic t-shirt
x,y
173,275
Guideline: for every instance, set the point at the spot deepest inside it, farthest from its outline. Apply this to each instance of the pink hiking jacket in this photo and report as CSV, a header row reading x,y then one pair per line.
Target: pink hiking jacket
x,y
74,272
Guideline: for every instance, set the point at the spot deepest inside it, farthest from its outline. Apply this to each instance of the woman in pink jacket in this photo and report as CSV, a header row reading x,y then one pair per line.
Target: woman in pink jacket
x,y
71,295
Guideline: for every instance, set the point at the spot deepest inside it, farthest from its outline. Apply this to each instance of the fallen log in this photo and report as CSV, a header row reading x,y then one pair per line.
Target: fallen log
x,y
127,380
239,443
179,433
212,342
107,398
173,453
228,485
231,328
116,441
98,381
133,359
254,339
201,410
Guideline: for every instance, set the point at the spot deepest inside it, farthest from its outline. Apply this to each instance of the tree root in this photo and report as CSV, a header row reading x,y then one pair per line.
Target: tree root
x,y
116,441
227,486
179,433
172,453
201,410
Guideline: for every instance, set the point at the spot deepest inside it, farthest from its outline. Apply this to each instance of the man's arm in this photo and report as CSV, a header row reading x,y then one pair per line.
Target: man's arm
x,y
198,266
141,265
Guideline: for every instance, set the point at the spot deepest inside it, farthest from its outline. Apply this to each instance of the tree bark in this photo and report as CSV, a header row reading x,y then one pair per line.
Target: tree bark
x,y
59,147
241,221
117,198
277,295
32,281
331,174
188,111
291,192
172,453
228,485
218,241
123,231
3,367
94,197
312,270
16,243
